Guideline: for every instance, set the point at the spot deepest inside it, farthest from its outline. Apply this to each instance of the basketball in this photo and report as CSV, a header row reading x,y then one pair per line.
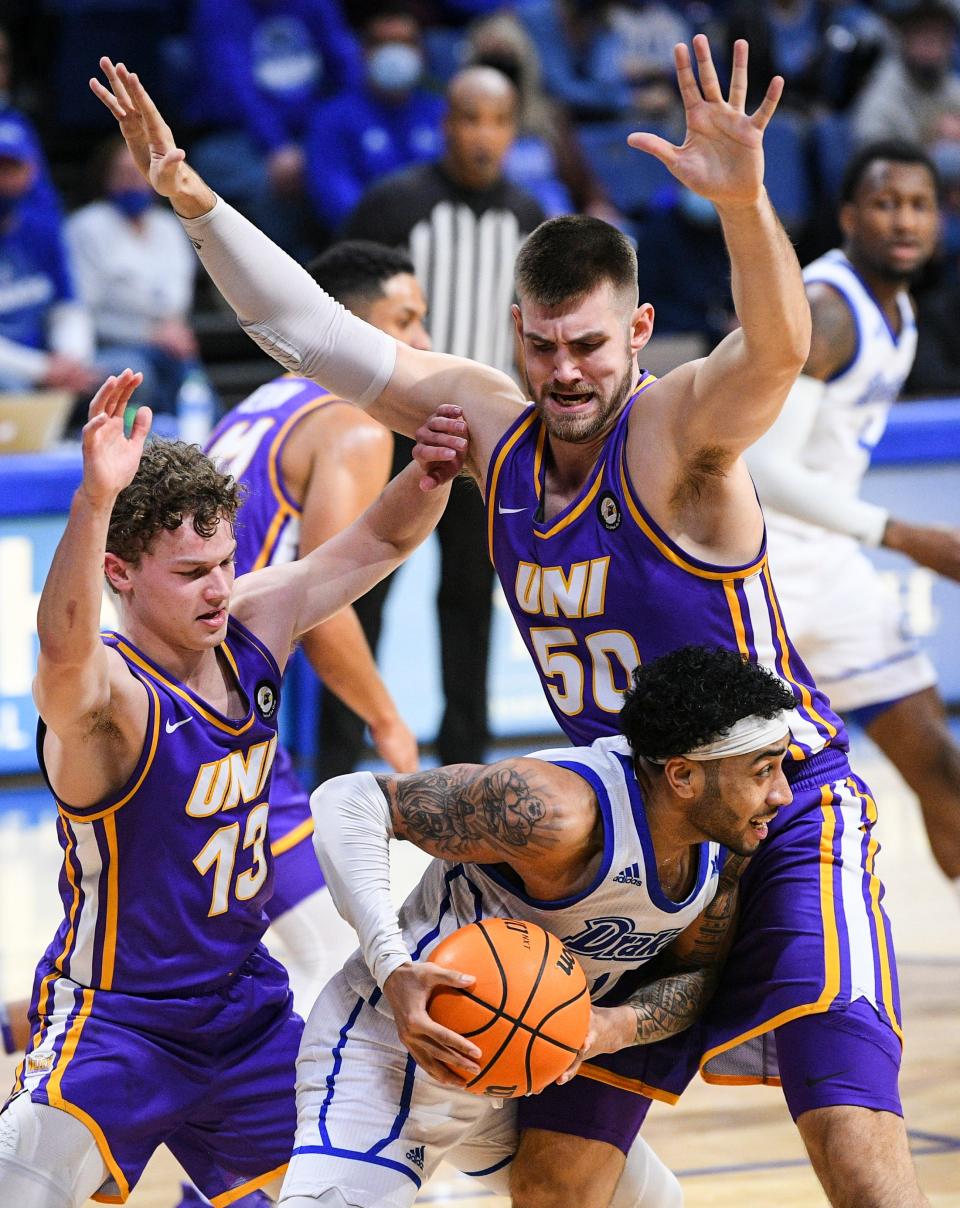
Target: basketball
x,y
528,1011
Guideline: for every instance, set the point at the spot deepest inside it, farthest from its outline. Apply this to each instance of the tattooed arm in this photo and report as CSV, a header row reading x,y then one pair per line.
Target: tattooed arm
x,y
683,979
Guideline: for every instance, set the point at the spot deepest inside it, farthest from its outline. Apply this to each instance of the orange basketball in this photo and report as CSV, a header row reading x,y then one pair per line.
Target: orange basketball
x,y
528,1011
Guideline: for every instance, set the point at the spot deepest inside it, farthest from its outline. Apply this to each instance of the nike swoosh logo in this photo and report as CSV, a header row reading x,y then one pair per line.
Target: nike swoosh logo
x,y
176,726
507,511
824,1078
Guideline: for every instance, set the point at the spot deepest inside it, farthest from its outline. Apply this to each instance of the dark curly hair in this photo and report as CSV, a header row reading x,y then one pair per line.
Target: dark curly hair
x,y
693,695
174,480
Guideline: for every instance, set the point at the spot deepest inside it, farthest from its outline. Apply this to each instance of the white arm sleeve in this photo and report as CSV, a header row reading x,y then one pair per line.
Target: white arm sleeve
x,y
785,484
351,836
286,313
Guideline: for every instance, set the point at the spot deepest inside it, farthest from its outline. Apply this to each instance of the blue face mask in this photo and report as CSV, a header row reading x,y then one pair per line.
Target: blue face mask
x,y
394,67
131,202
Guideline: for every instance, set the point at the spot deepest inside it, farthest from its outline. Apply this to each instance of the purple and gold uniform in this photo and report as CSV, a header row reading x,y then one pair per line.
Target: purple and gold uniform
x,y
595,590
157,1014
248,443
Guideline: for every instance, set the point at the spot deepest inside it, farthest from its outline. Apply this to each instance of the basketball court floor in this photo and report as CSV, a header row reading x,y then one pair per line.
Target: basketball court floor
x,y
733,1147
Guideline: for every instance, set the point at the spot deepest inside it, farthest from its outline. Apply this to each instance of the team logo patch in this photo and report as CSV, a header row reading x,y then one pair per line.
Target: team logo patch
x,y
415,1156
266,698
609,511
39,1063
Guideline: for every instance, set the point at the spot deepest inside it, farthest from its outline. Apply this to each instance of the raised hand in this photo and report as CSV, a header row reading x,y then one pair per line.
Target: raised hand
x,y
110,460
147,135
721,157
441,447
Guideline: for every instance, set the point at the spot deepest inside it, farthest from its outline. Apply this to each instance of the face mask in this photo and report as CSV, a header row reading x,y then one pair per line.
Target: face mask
x,y
394,67
131,202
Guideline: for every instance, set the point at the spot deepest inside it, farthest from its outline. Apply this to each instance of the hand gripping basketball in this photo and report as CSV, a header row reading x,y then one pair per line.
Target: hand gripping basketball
x,y
528,1010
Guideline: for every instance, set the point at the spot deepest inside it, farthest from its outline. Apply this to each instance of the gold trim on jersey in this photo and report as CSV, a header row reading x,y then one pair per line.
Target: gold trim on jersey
x,y
883,952
831,951
67,812
56,1098
623,1083
492,501
254,1184
805,697
672,555
285,509
292,838
186,696
113,905
577,511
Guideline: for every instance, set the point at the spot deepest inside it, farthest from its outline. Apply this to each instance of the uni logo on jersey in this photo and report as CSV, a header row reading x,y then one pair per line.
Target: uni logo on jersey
x,y
614,939
579,591
238,776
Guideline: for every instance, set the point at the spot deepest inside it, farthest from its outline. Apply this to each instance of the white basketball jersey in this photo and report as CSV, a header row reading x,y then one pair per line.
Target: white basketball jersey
x,y
854,410
614,926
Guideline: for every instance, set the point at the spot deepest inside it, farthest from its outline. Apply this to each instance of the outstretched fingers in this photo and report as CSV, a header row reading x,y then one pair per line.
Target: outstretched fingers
x,y
709,83
768,106
686,79
156,126
654,145
738,75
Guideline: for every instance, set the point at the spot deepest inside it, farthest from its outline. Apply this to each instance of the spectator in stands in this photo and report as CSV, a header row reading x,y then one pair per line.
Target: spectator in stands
x,y
914,84
546,158
46,338
135,272
264,65
463,224
382,124
42,194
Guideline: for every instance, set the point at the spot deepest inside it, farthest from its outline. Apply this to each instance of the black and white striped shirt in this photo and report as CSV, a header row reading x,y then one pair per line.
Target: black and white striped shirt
x,y
463,244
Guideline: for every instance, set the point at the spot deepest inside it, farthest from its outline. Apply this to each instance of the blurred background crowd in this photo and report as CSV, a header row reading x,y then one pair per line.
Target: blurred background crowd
x,y
300,112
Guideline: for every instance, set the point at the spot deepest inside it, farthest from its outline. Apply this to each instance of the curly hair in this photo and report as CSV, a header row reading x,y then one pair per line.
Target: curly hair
x,y
693,695
174,480
355,271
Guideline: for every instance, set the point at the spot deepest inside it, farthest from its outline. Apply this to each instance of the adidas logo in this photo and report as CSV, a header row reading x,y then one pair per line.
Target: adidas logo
x,y
415,1156
629,876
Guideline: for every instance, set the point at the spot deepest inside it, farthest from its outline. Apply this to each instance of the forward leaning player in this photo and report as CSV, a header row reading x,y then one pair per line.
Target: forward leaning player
x,y
309,465
157,1015
622,530
809,467
697,774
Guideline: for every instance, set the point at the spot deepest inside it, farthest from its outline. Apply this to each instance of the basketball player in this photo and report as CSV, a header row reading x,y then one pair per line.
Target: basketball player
x,y
623,524
808,469
157,1015
310,465
625,837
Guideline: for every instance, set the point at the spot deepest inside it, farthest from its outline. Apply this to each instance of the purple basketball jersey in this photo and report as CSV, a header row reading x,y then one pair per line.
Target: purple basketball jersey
x,y
248,443
163,883
600,587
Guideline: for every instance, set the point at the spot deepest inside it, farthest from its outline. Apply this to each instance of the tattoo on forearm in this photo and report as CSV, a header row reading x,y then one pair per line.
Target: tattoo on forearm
x,y
671,1003
453,811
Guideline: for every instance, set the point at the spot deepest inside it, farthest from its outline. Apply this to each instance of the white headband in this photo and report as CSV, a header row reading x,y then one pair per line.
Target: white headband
x,y
748,734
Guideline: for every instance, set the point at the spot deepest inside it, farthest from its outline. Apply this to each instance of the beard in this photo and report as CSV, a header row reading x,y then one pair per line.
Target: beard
x,y
578,429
